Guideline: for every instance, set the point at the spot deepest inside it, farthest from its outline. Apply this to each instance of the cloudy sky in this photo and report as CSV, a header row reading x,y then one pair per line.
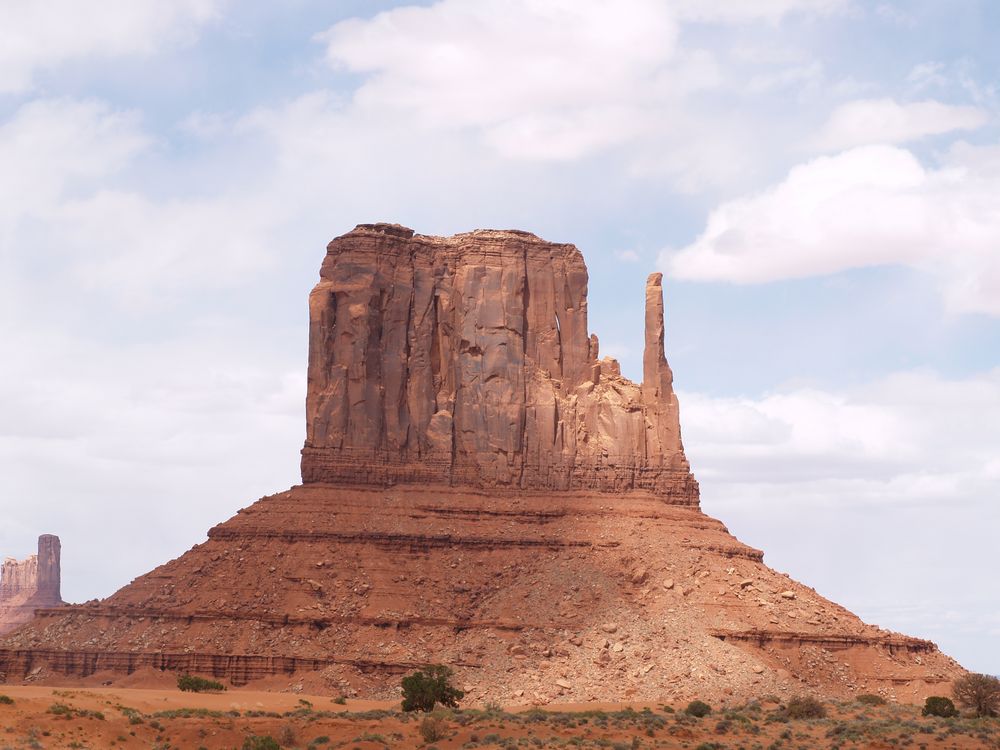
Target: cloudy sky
x,y
818,179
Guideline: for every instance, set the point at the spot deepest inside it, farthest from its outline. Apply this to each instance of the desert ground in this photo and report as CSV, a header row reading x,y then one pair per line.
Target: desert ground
x,y
100,718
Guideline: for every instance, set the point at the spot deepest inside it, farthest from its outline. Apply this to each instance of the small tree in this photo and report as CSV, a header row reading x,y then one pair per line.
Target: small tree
x,y
980,692
937,705
431,685
698,709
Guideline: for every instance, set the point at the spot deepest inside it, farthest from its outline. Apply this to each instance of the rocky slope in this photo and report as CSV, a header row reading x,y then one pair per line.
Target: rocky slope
x,y
480,489
26,585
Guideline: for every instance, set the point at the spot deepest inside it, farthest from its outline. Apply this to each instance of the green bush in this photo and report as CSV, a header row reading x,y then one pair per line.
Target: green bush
x,y
425,688
869,699
260,742
804,707
193,684
698,709
6,700
980,692
938,705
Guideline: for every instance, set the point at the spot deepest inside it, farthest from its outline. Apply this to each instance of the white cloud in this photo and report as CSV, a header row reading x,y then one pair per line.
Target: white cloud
x,y
540,79
555,80
63,159
868,121
870,206
51,148
906,438
726,11
881,495
36,36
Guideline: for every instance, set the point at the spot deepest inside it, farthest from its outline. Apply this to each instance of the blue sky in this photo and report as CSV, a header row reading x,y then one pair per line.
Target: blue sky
x,y
818,179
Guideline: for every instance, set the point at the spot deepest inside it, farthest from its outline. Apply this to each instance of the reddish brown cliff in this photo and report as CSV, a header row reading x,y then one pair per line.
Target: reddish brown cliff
x,y
466,360
31,583
479,490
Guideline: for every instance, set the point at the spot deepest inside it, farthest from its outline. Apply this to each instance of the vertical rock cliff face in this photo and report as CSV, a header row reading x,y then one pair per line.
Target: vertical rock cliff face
x,y
467,360
30,583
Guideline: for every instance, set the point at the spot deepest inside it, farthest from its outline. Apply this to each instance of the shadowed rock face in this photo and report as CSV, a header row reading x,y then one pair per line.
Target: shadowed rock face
x,y
467,360
30,583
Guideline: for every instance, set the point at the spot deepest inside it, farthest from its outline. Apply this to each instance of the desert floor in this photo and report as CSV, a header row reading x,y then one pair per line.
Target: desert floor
x,y
100,718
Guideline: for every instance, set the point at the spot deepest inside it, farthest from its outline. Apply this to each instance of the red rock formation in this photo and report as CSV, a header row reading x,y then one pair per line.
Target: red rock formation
x,y
466,360
28,584
479,490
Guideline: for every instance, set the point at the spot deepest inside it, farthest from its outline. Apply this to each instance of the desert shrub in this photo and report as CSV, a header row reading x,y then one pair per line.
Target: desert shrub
x,y
698,709
340,700
433,728
261,742
6,700
980,692
286,736
321,740
870,699
804,707
938,705
429,686
194,684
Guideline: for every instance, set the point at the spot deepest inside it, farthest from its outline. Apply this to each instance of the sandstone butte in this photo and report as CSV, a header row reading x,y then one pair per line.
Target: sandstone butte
x,y
26,585
480,489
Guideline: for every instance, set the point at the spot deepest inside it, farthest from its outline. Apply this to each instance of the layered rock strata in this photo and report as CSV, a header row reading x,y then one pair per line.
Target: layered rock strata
x,y
31,583
479,490
466,360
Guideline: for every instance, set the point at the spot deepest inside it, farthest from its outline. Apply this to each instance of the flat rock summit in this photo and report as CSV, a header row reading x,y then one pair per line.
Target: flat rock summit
x,y
480,489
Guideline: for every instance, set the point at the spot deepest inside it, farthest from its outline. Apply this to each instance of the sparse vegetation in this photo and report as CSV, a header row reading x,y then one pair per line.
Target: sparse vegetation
x,y
698,709
425,688
195,684
260,742
870,699
433,728
6,700
938,705
804,707
978,692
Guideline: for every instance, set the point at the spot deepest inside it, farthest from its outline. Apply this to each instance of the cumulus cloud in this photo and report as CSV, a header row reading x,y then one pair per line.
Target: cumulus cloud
x,y
869,206
867,121
555,80
753,10
36,36
51,148
911,437
60,195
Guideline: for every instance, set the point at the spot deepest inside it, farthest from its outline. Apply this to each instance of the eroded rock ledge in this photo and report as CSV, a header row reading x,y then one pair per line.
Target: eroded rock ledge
x,y
467,360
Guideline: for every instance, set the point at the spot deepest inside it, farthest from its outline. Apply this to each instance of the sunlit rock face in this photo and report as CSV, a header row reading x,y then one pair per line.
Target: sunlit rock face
x,y
467,360
482,490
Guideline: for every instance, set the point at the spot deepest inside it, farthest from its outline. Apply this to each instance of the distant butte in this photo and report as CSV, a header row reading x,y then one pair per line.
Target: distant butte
x,y
481,489
26,585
